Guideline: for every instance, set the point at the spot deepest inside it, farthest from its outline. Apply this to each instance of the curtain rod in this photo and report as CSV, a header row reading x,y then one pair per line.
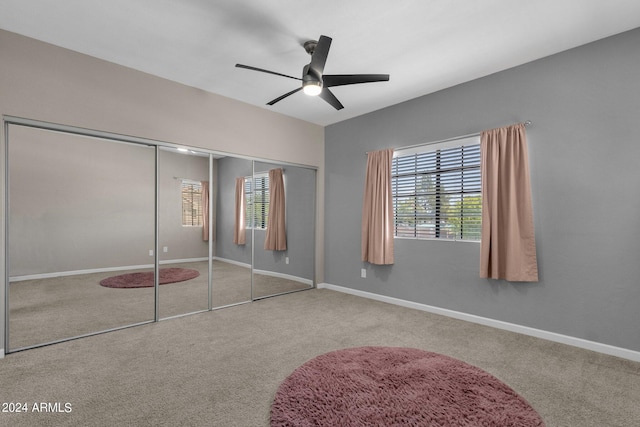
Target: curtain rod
x,y
267,171
526,124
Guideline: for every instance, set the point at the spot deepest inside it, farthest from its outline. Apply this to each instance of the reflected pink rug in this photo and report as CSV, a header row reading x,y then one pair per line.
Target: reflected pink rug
x,y
390,386
145,279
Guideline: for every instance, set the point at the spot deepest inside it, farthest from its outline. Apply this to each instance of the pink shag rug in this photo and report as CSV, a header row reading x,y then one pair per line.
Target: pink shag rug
x,y
145,279
390,386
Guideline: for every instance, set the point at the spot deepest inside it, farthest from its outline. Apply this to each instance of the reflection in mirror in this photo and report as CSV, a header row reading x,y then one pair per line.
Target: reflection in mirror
x,y
231,275
183,176
81,210
286,263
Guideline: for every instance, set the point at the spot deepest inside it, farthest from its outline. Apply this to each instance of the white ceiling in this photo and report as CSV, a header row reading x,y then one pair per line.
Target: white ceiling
x,y
425,45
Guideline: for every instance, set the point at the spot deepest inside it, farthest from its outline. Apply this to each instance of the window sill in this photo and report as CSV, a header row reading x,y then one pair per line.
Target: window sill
x,y
433,239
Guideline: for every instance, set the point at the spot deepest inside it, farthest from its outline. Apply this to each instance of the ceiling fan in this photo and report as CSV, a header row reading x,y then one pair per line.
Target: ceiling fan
x,y
314,82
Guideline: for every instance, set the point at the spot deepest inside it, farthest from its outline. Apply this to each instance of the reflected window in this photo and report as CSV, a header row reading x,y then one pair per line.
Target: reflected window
x,y
191,204
257,200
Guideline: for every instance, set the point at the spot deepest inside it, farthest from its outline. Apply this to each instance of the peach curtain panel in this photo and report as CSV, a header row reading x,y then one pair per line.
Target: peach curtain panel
x,y
276,236
239,228
204,188
508,246
377,209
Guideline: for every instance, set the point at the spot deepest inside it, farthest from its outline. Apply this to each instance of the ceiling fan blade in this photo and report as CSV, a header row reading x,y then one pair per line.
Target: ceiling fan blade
x,y
248,67
280,98
328,96
319,57
332,80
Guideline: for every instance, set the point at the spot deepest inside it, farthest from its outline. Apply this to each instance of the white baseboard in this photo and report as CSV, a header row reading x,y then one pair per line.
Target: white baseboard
x,y
98,270
139,267
267,272
230,261
186,260
284,276
525,330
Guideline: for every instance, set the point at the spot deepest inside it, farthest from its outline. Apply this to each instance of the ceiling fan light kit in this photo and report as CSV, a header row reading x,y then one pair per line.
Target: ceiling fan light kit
x,y
312,88
314,82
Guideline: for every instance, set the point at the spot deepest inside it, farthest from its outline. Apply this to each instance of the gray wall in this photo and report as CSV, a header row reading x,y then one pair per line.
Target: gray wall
x,y
584,104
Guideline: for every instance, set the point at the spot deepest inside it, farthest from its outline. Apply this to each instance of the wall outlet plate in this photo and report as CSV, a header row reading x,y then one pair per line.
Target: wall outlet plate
x,y
363,273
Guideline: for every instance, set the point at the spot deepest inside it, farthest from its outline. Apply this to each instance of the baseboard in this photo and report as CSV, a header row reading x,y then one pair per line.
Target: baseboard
x,y
185,260
230,261
1,353
139,267
98,270
267,272
284,276
525,330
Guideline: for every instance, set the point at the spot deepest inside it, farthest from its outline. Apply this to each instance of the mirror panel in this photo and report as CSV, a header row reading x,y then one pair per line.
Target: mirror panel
x,y
81,210
231,274
282,271
183,248
82,214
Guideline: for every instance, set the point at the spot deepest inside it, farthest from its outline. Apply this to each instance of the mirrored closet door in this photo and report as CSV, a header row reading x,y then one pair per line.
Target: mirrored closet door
x,y
283,224
93,216
81,214
231,275
183,234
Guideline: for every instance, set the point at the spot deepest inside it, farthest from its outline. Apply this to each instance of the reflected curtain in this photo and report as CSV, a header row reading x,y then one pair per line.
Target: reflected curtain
x,y
508,247
377,209
239,229
204,187
276,236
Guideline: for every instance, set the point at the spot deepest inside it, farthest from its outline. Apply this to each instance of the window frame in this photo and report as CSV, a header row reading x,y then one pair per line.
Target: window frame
x,y
195,203
257,219
468,184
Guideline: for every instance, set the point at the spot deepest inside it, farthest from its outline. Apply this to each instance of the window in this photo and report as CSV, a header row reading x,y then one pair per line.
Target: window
x,y
437,191
191,204
257,200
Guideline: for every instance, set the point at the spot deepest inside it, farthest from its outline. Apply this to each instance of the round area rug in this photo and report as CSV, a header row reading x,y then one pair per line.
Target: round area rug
x,y
391,386
145,279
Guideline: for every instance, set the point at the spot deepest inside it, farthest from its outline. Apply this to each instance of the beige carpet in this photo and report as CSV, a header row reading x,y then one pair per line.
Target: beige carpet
x,y
47,310
222,368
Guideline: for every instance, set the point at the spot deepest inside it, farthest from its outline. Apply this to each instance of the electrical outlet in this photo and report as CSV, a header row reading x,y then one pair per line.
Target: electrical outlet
x,y
165,249
363,273
150,252
286,260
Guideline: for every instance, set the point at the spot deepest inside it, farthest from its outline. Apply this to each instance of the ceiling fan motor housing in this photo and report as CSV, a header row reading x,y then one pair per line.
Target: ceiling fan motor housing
x,y
309,75
310,46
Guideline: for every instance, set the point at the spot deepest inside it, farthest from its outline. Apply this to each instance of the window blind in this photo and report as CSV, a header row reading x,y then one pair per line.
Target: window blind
x,y
257,201
437,193
191,204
